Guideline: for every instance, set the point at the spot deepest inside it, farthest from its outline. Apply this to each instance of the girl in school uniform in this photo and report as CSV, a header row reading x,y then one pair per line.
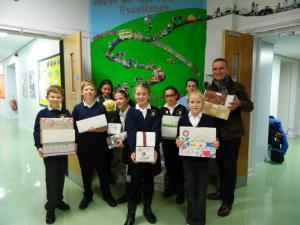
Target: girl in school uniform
x,y
92,149
195,169
123,105
147,118
105,96
172,160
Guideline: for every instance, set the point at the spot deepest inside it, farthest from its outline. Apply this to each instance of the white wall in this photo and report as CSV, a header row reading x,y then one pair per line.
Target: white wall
x,y
275,85
262,96
25,62
53,17
297,103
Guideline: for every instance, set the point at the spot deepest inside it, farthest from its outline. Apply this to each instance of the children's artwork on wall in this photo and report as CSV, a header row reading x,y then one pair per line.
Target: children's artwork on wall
x,y
49,74
154,42
2,91
25,85
31,79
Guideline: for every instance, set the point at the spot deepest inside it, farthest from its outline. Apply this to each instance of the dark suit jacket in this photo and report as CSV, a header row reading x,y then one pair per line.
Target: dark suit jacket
x,y
233,127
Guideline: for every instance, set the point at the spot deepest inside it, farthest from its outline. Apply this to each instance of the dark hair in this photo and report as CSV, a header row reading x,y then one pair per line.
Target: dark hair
x,y
221,60
99,93
170,87
125,94
193,80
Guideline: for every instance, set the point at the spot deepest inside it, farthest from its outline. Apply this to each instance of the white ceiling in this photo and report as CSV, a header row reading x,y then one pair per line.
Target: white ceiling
x,y
11,43
288,46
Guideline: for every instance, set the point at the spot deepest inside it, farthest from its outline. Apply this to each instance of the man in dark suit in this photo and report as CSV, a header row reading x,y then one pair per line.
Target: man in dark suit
x,y
230,131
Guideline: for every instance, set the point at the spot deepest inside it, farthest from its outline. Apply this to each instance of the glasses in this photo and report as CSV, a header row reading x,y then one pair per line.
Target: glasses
x,y
170,96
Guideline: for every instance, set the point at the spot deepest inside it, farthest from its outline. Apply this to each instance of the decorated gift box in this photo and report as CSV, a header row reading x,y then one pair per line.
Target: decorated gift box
x,y
113,140
145,143
92,122
216,104
169,126
197,142
114,128
57,136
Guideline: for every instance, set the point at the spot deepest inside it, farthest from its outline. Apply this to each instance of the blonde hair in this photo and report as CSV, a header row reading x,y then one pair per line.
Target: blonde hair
x,y
198,94
55,89
86,83
144,86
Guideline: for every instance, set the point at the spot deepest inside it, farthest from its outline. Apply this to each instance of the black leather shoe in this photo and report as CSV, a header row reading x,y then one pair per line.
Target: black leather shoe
x,y
224,209
50,217
85,203
111,201
214,196
149,215
122,199
130,219
63,206
180,199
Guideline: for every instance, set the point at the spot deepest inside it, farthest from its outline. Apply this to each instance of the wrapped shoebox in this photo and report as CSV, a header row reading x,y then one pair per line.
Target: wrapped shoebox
x,y
145,143
169,126
216,104
114,128
92,122
57,136
113,140
197,141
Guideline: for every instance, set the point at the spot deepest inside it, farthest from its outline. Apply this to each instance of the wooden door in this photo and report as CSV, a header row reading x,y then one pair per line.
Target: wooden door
x,y
72,57
238,51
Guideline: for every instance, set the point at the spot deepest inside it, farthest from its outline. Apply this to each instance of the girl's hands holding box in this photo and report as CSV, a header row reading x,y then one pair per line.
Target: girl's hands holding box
x,y
41,152
120,144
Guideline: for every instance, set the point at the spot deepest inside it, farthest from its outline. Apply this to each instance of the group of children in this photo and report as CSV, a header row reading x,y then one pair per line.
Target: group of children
x,y
187,175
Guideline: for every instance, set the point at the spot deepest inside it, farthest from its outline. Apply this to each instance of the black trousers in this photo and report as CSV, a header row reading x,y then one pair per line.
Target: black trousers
x,y
196,182
94,154
227,156
173,164
141,184
56,168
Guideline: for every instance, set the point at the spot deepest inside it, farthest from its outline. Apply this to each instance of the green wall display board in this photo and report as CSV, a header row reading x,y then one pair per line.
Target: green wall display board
x,y
158,42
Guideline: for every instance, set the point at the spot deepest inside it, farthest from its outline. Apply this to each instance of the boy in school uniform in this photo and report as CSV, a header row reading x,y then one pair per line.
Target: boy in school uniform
x,y
92,148
195,169
147,118
55,166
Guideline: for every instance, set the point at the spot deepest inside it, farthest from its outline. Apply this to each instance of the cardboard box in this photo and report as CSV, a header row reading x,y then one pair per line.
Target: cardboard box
x,y
114,128
169,126
145,143
95,122
197,142
57,136
216,104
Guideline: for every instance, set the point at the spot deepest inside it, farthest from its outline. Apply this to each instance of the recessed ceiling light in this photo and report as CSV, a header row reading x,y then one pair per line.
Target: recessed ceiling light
x,y
3,34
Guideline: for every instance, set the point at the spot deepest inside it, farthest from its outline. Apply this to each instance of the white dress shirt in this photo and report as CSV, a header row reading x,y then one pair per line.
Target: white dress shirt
x,y
171,109
123,116
195,119
144,111
87,105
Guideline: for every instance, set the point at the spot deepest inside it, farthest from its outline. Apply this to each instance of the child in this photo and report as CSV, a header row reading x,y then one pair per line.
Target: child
x,y
142,117
172,160
190,85
196,169
55,166
92,150
105,96
123,104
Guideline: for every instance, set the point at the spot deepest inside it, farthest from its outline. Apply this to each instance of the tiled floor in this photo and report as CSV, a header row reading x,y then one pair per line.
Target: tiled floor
x,y
271,197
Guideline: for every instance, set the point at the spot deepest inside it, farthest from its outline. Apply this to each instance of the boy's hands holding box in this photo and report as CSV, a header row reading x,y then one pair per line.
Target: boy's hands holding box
x,y
92,124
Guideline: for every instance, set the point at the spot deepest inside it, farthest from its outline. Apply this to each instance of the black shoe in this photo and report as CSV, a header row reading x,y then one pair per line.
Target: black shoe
x,y
130,219
180,199
214,196
122,199
149,215
63,206
85,203
168,193
110,201
224,209
50,217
